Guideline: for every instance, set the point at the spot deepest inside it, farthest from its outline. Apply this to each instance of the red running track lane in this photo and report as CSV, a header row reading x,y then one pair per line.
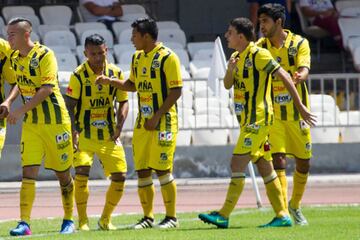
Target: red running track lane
x,y
191,197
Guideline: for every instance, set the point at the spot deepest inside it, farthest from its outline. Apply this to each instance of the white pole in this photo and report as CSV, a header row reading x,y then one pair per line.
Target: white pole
x,y
254,183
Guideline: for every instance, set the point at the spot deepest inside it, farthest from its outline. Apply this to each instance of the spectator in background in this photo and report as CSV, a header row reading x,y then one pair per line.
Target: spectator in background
x,y
105,11
256,4
322,13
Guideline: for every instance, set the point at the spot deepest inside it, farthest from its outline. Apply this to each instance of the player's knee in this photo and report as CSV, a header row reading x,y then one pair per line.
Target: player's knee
x,y
144,173
165,179
82,170
302,165
279,161
118,177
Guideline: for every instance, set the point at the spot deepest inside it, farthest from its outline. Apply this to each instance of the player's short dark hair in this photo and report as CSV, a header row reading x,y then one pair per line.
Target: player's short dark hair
x,y
146,25
244,26
17,20
94,39
273,10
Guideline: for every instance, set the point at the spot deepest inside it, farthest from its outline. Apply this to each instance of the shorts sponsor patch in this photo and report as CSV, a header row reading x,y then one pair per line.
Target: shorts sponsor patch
x,y
252,128
64,157
62,140
308,146
163,156
247,142
165,138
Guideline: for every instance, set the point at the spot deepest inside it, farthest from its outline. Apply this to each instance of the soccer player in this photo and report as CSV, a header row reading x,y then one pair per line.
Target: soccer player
x,y
46,130
290,134
155,76
249,72
95,130
6,74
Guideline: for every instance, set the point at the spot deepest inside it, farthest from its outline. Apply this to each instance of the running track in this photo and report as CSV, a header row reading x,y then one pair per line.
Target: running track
x,y
193,195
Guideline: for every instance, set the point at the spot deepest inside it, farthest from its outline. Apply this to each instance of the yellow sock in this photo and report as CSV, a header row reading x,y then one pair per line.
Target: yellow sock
x,y
168,190
273,191
281,173
146,193
27,196
236,186
67,196
300,180
113,197
81,196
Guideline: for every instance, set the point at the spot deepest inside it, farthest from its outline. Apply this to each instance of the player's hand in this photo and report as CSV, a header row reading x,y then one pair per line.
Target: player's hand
x,y
14,116
102,79
232,64
297,77
150,124
4,111
308,117
75,137
116,135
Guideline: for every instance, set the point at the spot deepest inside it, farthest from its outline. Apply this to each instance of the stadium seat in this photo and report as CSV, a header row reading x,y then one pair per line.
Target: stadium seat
x,y
131,17
43,29
183,56
11,11
193,47
172,35
56,15
173,45
202,73
325,134
66,61
125,57
167,24
60,37
346,4
81,27
35,21
203,54
64,79
209,136
197,65
349,29
131,12
125,36
124,67
118,27
184,138
186,99
184,73
60,49
105,33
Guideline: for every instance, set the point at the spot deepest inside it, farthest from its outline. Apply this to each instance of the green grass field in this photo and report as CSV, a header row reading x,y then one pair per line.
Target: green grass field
x,y
325,223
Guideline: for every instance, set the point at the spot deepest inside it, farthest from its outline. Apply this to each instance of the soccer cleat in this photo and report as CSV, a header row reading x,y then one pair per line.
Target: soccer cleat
x,y
278,222
84,226
299,218
21,229
215,218
168,222
67,227
145,222
105,226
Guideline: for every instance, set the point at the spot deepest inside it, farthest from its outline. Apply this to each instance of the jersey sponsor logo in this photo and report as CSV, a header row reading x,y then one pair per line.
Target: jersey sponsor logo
x,y
145,86
155,64
34,63
238,107
100,124
23,80
144,70
279,88
292,51
308,146
278,59
239,85
175,83
283,99
247,142
21,67
99,87
146,99
62,140
99,102
248,63
98,115
146,110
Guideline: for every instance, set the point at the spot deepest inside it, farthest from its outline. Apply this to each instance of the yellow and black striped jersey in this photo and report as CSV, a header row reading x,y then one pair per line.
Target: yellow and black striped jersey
x,y
6,74
294,54
252,86
95,116
36,69
154,74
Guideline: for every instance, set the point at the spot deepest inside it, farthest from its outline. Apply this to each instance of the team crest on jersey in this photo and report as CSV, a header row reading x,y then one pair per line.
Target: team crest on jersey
x,y
87,82
155,64
34,63
278,59
163,156
247,142
248,63
292,51
144,70
21,68
100,87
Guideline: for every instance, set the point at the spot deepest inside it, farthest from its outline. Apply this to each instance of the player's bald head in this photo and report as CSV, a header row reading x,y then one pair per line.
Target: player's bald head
x,y
22,23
